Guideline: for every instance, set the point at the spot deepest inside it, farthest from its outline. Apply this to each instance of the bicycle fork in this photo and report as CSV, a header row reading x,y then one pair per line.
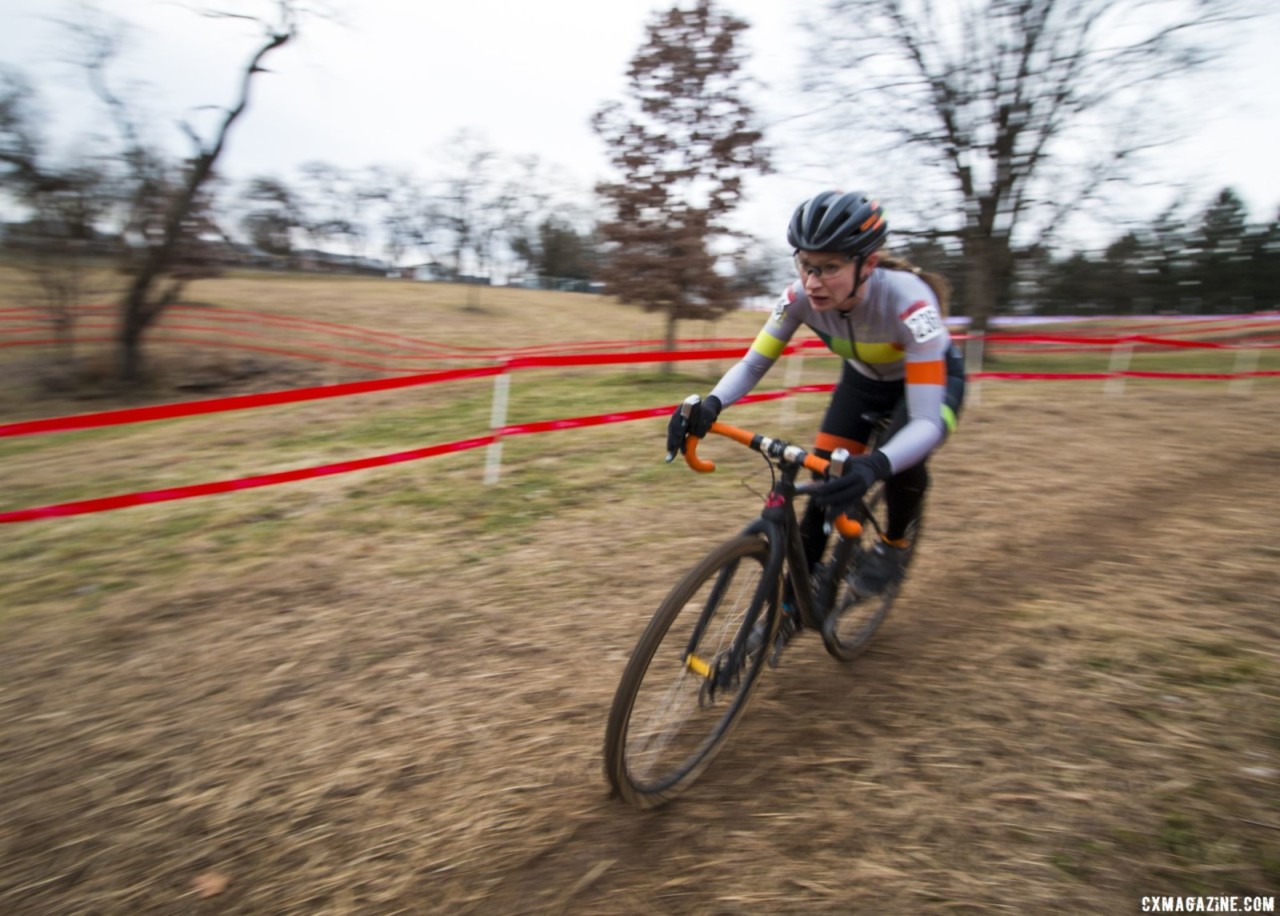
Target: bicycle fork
x,y
722,671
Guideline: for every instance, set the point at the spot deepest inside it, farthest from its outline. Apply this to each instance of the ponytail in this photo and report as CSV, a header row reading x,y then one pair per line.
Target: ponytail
x,y
937,282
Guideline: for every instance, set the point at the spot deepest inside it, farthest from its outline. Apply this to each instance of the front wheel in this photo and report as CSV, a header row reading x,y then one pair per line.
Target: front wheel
x,y
853,619
690,676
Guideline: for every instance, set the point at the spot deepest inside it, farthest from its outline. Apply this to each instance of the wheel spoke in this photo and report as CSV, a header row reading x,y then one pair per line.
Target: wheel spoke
x,y
677,700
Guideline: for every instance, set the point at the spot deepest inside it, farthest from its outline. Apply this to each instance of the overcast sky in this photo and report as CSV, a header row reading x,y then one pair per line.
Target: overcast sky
x,y
402,76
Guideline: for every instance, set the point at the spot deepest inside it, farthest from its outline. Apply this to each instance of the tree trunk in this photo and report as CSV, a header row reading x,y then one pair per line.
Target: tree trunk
x,y
129,352
978,283
669,344
136,312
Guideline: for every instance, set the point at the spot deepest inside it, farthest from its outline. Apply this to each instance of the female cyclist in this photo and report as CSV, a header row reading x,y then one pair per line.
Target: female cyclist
x,y
885,317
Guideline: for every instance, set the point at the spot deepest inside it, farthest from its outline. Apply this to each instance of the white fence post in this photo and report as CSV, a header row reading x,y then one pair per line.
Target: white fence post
x,y
1120,359
497,420
1246,361
973,364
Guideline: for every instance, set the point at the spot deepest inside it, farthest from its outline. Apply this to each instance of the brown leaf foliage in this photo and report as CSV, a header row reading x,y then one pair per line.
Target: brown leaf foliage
x,y
683,142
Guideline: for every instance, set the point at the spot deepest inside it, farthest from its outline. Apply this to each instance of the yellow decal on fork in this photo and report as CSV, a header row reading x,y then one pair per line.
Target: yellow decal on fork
x,y
697,665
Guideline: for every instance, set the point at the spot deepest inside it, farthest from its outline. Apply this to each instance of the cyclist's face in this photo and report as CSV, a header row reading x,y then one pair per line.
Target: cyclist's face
x,y
829,278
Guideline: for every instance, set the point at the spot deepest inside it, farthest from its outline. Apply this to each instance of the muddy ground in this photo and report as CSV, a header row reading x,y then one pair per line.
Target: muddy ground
x,y
1073,706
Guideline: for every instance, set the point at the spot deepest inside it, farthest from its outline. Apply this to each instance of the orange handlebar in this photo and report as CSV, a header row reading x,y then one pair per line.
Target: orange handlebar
x,y
702,465
845,525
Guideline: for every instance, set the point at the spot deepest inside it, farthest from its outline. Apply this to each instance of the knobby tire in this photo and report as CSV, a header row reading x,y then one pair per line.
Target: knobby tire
x,y
648,762
852,621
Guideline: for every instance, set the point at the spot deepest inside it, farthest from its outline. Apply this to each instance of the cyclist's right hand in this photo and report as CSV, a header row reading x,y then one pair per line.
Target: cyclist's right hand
x,y
700,417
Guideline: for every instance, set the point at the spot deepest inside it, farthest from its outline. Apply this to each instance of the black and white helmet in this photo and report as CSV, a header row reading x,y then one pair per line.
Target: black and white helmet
x,y
851,224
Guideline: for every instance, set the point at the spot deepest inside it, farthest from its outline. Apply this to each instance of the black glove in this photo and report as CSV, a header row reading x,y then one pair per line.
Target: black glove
x,y
842,493
698,423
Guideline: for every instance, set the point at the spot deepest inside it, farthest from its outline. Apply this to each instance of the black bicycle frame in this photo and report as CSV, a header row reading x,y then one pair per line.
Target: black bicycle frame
x,y
780,525
781,529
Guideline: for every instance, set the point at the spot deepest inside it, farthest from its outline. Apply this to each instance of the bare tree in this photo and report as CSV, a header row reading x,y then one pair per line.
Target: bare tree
x,y
19,138
66,207
62,245
272,216
474,200
336,205
401,207
65,276
1017,112
155,286
684,142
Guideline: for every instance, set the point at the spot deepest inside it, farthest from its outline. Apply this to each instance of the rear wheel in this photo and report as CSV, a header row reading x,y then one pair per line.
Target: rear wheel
x,y
854,619
692,672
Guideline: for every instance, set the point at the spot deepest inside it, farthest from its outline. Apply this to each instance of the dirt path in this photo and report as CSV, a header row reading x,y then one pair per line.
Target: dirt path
x,y
1075,707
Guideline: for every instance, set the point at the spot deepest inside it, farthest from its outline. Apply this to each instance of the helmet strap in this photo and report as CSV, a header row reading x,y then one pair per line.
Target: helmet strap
x,y
858,279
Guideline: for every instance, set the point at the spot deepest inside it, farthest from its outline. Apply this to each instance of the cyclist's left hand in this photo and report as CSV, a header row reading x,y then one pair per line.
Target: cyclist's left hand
x,y
843,493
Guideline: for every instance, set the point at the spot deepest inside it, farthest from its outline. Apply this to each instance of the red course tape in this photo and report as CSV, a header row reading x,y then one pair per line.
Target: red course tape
x,y
238,402
104,504
85,506
242,402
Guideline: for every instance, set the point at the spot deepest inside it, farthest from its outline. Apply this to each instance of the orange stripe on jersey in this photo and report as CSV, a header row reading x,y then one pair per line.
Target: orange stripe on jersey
x,y
933,373
829,443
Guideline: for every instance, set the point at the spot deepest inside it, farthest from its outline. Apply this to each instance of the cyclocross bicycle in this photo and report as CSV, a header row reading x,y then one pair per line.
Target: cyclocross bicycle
x,y
690,676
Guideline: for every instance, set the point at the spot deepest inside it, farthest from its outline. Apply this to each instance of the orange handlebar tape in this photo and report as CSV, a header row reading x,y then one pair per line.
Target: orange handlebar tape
x,y
701,465
741,436
816,464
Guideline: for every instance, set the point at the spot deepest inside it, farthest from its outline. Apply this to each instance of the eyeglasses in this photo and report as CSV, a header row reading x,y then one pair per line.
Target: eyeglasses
x,y
826,270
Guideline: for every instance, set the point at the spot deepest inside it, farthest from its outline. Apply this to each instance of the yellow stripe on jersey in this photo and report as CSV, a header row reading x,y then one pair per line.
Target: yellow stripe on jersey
x,y
767,345
877,353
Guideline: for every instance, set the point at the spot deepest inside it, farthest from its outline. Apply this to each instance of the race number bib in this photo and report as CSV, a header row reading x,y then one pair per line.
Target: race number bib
x,y
923,320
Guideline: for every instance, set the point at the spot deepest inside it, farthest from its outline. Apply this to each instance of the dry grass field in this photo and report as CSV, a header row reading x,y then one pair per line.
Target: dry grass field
x,y
385,692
